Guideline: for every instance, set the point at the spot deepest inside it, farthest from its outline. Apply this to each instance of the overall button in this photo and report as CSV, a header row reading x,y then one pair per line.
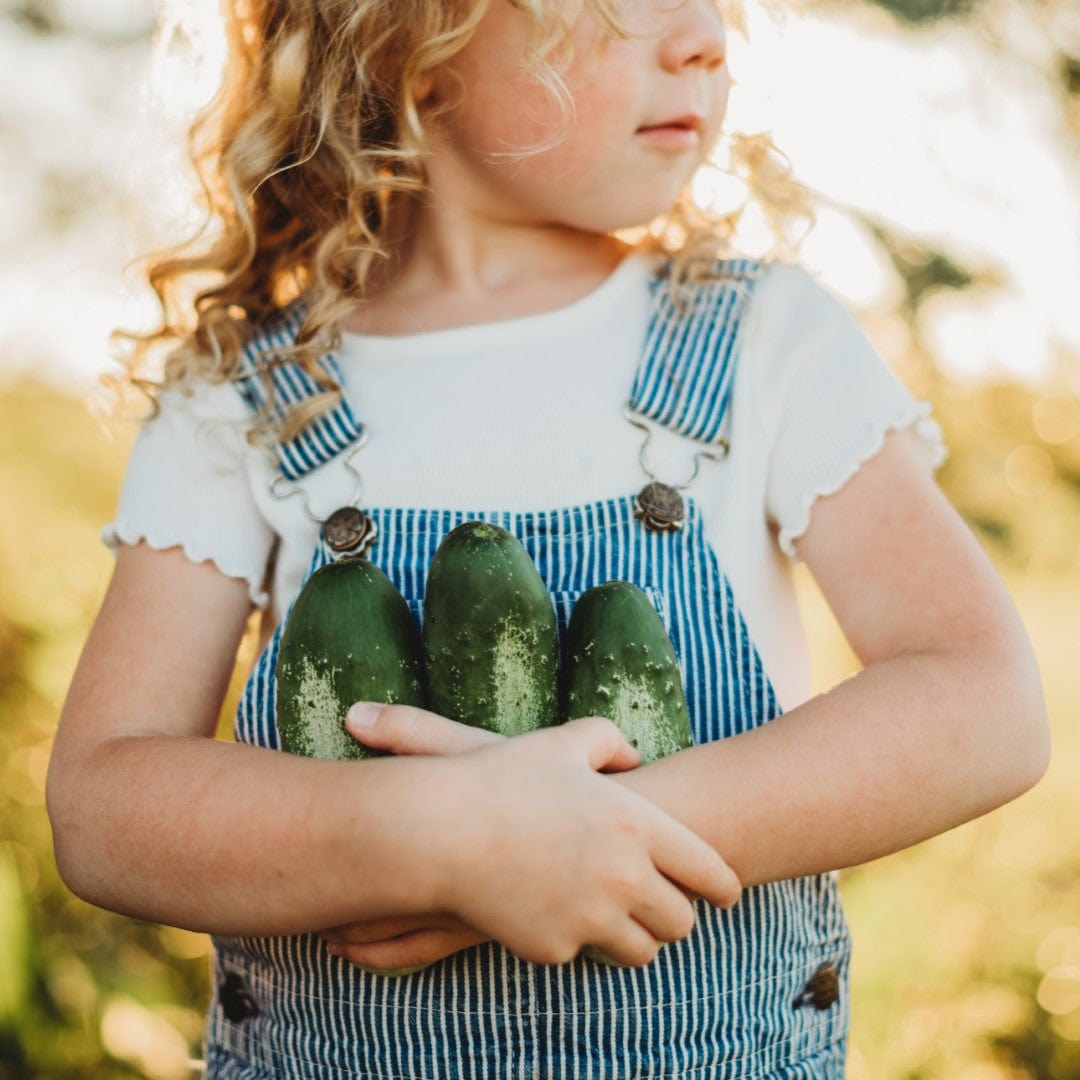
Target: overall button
x,y
236,1003
822,989
660,506
349,531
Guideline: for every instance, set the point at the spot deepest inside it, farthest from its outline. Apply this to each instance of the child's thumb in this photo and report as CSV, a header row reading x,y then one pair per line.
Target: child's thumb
x,y
405,729
604,745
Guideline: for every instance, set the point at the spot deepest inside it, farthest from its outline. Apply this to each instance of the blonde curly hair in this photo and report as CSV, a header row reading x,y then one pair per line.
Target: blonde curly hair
x,y
309,149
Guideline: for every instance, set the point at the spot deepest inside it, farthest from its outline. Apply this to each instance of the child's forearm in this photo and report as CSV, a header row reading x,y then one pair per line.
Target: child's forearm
x,y
522,840
906,749
234,839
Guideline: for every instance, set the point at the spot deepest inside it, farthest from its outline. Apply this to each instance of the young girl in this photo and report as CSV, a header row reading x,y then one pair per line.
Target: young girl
x,y
421,302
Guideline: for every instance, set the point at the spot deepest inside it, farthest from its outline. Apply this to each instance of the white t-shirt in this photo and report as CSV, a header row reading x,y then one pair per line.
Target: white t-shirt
x,y
527,414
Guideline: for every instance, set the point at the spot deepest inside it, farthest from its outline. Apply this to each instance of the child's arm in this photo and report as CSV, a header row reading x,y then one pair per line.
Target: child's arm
x,y
945,722
154,818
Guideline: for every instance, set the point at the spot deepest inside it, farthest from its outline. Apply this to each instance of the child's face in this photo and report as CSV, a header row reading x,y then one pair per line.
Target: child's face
x,y
647,111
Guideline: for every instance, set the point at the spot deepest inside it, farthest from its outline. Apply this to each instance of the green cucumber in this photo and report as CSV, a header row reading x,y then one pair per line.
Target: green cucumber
x,y
618,662
490,637
349,637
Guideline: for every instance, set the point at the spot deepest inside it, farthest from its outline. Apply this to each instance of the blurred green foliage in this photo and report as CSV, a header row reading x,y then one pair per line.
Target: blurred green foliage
x,y
918,12
74,980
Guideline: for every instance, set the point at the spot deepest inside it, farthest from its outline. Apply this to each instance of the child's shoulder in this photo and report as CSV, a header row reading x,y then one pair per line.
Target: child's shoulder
x,y
198,400
795,291
815,381
778,291
794,317
204,397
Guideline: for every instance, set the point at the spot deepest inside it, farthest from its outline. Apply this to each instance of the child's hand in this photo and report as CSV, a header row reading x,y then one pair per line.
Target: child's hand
x,y
411,940
545,856
395,943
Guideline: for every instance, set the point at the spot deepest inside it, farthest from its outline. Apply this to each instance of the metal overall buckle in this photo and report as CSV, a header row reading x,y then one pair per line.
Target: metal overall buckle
x,y
659,505
348,531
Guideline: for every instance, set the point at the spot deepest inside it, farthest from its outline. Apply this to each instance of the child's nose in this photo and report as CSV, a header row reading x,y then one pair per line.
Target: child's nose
x,y
695,35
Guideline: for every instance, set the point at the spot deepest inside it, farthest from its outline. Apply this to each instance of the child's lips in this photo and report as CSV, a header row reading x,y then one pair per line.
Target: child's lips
x,y
680,132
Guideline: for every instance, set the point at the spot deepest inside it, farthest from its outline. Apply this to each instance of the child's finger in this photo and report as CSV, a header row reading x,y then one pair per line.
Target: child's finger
x,y
663,909
405,729
695,865
364,933
409,952
632,945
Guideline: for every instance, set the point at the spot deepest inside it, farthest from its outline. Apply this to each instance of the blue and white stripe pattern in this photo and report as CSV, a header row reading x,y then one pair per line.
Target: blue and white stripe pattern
x,y
686,383
718,1005
326,436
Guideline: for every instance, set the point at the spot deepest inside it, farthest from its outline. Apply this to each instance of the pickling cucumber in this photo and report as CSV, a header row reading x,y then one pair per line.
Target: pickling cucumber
x,y
490,639
349,637
618,662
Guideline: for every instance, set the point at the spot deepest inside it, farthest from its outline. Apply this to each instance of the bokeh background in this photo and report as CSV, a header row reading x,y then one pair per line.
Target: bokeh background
x,y
940,139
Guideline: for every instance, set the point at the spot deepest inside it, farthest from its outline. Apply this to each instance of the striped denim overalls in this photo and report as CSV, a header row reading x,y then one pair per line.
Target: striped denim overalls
x,y
758,991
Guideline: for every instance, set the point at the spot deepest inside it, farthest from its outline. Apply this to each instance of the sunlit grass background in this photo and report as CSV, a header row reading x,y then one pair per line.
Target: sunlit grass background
x,y
967,961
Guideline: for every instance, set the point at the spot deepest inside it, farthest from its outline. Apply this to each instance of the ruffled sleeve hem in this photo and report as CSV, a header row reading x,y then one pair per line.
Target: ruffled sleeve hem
x,y
122,532
915,417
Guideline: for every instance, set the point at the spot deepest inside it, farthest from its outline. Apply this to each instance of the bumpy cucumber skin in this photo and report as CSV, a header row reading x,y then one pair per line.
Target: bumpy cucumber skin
x,y
349,637
618,662
490,636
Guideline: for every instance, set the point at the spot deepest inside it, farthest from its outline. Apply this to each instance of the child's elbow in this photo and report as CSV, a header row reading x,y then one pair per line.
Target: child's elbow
x,y
60,821
68,820
69,866
1034,761
1029,762
1022,728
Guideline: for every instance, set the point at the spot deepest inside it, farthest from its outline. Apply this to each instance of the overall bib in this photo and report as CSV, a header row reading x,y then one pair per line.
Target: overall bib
x,y
758,991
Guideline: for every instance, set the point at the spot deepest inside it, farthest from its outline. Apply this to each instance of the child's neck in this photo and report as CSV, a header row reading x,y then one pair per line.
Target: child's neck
x,y
445,273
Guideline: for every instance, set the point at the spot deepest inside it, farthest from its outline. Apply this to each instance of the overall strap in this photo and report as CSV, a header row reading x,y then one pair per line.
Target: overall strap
x,y
687,367
683,379
325,437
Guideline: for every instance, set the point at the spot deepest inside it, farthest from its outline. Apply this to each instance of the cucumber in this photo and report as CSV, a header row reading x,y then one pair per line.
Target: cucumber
x,y
490,637
618,662
349,637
